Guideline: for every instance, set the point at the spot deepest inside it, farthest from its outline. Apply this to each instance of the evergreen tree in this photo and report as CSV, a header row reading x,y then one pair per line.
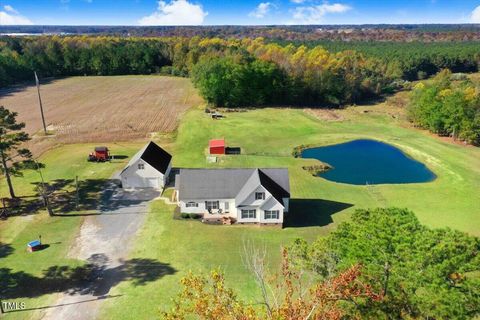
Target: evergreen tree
x,y
14,158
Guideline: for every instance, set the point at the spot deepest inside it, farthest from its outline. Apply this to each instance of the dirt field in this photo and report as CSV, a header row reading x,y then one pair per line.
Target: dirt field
x,y
101,109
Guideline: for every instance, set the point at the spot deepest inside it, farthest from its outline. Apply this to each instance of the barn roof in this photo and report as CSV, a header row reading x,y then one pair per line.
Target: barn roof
x,y
154,156
101,149
231,183
217,143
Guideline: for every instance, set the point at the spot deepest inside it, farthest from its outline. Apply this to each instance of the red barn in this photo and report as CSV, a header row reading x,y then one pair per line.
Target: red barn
x,y
217,146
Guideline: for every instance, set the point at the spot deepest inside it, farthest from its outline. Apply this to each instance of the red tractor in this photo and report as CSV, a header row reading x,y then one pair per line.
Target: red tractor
x,y
100,154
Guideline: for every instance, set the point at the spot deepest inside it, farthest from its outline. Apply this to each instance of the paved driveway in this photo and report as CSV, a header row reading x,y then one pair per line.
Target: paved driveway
x,y
104,242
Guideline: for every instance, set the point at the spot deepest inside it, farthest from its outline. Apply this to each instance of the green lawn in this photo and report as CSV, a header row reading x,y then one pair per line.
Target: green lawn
x,y
16,264
267,138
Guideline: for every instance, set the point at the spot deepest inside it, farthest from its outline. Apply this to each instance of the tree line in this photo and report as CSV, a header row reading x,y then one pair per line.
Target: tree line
x,y
241,72
367,33
411,60
448,107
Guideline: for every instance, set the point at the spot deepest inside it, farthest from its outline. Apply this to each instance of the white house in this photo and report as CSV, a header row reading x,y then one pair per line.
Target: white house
x,y
149,168
259,196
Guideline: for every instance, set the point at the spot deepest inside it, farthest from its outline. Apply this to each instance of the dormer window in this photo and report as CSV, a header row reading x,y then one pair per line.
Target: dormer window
x,y
259,195
141,166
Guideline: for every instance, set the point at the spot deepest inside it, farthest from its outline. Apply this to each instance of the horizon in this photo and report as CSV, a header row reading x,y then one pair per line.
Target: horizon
x,y
236,12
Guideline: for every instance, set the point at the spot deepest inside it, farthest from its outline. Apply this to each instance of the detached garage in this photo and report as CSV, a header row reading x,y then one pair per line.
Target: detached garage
x,y
149,168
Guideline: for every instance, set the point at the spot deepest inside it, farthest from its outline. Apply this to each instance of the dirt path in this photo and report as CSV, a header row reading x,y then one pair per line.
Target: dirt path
x,y
104,242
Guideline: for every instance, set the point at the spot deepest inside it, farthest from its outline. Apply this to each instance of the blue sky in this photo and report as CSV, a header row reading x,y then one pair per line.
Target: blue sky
x,y
211,12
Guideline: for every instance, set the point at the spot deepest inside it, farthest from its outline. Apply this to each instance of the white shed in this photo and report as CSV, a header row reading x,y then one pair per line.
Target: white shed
x,y
149,168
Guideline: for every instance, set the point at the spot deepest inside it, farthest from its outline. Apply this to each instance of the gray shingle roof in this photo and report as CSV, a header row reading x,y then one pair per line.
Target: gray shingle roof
x,y
199,184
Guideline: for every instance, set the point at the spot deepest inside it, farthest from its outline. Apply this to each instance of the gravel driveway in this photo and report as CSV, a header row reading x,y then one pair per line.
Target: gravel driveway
x,y
104,242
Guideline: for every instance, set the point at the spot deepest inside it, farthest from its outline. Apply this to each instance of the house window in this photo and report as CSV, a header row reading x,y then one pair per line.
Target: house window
x,y
141,166
227,206
272,214
191,204
259,195
211,205
249,214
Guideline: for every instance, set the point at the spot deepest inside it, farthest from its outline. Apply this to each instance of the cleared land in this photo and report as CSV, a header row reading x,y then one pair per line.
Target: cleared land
x,y
101,109
267,138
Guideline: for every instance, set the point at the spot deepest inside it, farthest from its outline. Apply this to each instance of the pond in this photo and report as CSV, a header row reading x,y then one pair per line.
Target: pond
x,y
363,162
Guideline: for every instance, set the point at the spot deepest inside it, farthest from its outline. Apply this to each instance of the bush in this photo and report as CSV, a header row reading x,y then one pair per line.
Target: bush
x,y
297,151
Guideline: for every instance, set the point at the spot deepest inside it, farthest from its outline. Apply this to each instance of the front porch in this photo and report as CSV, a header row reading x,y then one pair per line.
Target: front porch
x,y
218,217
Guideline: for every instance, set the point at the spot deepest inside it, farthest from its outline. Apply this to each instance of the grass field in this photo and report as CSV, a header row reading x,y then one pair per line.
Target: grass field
x,y
267,137
102,109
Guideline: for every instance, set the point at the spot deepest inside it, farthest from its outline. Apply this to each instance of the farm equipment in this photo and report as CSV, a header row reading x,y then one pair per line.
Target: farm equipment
x,y
100,154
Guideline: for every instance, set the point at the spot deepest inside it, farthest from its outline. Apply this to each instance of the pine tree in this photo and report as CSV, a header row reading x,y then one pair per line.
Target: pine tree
x,y
13,157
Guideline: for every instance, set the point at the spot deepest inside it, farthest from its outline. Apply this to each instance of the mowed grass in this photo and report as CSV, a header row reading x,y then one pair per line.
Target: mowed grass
x,y
267,137
189,245
58,232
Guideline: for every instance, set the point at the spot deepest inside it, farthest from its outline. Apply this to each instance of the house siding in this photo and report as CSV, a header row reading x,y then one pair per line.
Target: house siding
x,y
133,177
245,199
201,206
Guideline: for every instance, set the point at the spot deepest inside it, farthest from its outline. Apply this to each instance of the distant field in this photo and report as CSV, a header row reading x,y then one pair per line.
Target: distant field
x,y
103,109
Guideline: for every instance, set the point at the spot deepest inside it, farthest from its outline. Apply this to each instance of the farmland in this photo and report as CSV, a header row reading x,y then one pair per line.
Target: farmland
x,y
267,137
101,109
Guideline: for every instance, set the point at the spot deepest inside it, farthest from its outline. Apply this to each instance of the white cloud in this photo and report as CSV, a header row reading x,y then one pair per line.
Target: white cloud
x,y
314,14
475,17
261,10
175,12
9,8
297,1
10,16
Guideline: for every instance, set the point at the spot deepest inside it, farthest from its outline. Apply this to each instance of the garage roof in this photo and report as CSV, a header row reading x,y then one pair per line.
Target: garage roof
x,y
154,156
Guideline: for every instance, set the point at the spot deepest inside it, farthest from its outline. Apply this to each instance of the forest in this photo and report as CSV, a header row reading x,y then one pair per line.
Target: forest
x,y
448,107
312,73
257,72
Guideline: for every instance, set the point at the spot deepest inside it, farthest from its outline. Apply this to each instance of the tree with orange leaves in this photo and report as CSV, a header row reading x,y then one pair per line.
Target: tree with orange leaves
x,y
209,298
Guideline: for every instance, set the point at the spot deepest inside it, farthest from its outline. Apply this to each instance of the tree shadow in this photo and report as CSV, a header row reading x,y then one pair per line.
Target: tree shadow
x,y
22,86
312,212
118,157
5,249
95,278
94,197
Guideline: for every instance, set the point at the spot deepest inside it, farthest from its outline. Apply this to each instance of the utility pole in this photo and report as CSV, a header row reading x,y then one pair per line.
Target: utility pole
x,y
44,192
40,101
77,198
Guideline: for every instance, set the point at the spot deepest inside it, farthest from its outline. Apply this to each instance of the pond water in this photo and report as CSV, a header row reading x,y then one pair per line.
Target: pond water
x,y
368,161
